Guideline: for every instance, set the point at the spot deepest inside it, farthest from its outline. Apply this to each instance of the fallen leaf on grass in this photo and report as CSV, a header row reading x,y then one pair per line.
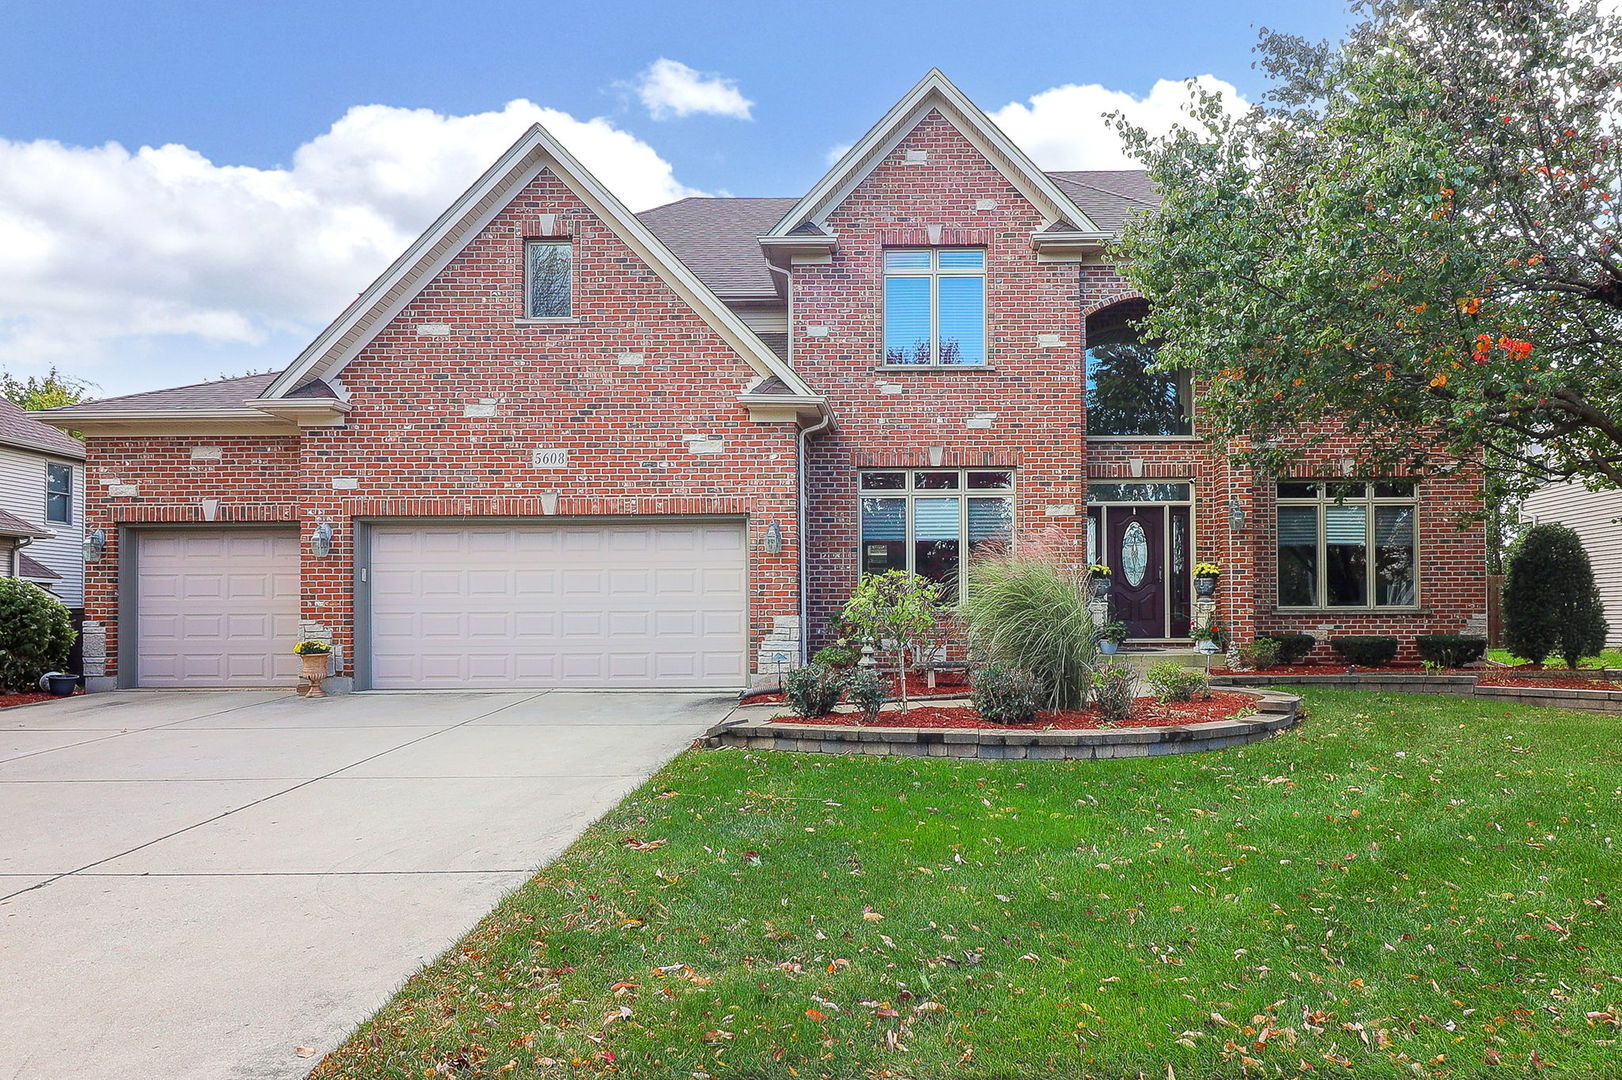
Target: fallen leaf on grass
x,y
642,845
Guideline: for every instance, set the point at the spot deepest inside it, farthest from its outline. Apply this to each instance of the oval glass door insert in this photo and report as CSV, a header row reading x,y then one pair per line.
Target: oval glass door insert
x,y
1134,554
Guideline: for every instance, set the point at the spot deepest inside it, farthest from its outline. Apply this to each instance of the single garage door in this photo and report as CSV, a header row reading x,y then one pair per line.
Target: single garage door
x,y
217,607
647,605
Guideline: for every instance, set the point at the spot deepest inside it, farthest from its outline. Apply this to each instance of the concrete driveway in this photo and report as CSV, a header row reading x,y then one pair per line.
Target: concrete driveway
x,y
198,884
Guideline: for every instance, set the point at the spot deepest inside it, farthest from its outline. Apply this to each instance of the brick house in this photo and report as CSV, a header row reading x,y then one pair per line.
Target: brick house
x,y
559,444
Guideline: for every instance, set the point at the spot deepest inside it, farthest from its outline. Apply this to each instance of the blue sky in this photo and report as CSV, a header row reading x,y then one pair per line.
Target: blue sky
x,y
276,201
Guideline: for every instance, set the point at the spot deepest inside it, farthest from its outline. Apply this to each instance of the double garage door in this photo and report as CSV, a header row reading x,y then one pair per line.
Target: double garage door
x,y
460,606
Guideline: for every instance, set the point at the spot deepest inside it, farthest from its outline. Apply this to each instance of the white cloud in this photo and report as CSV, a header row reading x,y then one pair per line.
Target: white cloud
x,y
836,152
116,264
1065,127
669,88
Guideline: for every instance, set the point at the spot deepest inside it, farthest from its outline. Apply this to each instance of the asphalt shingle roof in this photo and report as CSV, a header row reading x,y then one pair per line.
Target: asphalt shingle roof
x,y
715,237
12,525
1109,196
219,394
34,570
19,429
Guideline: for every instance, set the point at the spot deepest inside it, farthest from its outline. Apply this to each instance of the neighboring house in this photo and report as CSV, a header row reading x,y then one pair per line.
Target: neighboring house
x,y
1596,518
41,505
559,444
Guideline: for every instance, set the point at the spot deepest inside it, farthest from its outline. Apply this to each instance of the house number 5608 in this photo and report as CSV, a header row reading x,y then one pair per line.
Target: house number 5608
x,y
550,459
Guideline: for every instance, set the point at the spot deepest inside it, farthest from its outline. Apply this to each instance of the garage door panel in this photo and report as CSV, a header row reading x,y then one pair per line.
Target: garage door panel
x,y
558,605
216,608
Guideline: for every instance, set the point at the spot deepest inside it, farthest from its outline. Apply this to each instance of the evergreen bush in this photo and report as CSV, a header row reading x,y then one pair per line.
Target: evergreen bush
x,y
1551,607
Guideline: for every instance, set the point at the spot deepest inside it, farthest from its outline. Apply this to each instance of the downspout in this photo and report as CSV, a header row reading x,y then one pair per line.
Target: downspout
x,y
802,508
20,542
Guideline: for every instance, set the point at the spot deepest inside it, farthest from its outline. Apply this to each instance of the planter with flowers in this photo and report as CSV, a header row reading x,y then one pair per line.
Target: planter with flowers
x,y
1205,579
316,655
1099,574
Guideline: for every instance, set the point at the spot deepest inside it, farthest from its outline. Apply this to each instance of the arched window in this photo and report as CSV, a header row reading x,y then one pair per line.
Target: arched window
x,y
1123,396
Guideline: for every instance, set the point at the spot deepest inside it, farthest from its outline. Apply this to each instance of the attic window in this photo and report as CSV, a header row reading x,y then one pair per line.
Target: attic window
x,y
548,279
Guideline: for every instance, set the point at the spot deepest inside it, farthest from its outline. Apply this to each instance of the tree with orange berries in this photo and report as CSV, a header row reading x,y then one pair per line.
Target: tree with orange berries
x,y
1418,231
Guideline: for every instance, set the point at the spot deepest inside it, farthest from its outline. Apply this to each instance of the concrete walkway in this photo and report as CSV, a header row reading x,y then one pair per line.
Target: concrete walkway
x,y
196,885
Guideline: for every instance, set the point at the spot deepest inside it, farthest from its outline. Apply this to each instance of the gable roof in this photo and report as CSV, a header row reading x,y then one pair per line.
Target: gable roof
x,y
31,569
534,152
1109,196
22,431
934,92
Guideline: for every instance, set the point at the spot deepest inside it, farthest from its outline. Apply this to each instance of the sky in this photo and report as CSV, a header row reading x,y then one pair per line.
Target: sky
x,y
192,190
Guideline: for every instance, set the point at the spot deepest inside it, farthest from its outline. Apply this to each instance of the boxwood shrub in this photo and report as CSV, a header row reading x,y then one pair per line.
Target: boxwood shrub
x,y
813,690
1451,650
1292,648
35,634
1003,695
1370,650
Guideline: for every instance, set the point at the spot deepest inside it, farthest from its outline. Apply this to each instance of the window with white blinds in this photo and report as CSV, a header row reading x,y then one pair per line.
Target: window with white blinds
x,y
1347,544
934,307
925,520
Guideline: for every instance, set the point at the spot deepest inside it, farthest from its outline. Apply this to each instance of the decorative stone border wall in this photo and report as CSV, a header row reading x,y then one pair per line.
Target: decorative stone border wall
x,y
1275,712
1608,702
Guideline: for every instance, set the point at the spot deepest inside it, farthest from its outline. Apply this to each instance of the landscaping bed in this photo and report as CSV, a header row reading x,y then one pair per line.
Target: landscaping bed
x,y
32,698
1146,712
1557,679
1404,887
947,684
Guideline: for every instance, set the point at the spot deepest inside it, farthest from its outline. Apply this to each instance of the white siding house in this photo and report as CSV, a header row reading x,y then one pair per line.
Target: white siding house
x,y
1596,517
41,505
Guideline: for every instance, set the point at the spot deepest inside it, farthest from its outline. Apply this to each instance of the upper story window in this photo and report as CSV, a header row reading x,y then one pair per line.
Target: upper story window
x,y
59,494
1347,544
926,520
1124,397
935,306
548,279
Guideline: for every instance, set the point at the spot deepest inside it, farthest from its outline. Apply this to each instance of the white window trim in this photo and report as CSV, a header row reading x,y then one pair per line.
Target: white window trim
x,y
1371,501
934,272
524,315
909,493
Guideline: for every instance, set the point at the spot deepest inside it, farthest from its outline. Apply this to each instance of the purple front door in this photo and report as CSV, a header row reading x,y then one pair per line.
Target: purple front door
x,y
1135,549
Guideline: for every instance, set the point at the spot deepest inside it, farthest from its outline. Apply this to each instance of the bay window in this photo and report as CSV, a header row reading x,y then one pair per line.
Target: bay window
x,y
1347,544
927,520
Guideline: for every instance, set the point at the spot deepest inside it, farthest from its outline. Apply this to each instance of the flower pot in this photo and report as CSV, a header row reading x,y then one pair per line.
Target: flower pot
x,y
1205,585
62,685
315,669
1100,586
1108,648
1207,647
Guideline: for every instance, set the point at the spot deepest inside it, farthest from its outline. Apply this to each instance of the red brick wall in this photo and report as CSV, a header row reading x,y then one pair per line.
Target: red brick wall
x,y
560,386
1036,392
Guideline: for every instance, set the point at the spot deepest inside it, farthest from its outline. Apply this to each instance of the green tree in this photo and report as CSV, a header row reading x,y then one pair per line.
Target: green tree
x,y
896,611
1551,606
1416,231
43,391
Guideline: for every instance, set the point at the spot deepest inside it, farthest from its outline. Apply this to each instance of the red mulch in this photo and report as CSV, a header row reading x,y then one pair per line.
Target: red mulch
x,y
947,684
8,700
1572,682
1336,669
1146,712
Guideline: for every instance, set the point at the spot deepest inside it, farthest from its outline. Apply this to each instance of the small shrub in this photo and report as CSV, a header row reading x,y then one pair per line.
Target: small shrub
x,y
866,691
895,611
1113,693
813,690
1032,615
1292,648
1171,681
836,656
1551,606
35,634
1451,650
1003,695
1260,654
1369,650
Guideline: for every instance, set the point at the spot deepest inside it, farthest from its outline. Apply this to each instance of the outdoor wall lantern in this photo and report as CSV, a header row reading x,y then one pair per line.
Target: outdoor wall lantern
x,y
774,539
94,544
321,541
1236,515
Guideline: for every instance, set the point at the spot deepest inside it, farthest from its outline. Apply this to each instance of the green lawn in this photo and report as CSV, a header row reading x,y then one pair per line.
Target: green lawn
x,y
1610,658
1405,886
